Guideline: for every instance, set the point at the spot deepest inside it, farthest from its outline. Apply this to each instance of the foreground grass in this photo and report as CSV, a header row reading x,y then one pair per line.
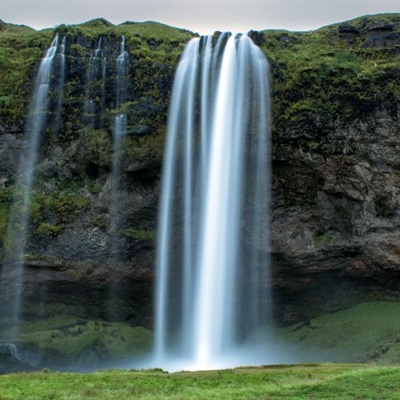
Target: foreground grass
x,y
313,381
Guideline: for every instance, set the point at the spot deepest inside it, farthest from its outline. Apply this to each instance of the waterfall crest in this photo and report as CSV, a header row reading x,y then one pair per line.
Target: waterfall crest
x,y
212,264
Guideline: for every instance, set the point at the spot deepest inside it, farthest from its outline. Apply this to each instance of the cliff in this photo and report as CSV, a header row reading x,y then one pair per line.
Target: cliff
x,y
335,208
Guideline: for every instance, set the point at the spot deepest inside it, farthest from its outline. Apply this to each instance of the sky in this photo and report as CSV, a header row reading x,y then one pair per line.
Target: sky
x,y
202,16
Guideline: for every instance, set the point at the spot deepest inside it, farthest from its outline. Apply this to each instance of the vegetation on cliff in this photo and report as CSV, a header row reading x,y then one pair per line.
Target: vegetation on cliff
x,y
326,79
73,176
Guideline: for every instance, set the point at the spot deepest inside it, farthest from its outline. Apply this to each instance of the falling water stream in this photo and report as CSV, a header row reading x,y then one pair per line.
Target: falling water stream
x,y
19,218
212,297
95,92
60,88
119,131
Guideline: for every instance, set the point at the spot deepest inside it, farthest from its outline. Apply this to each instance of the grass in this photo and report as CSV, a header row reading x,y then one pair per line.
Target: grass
x,y
64,339
314,381
366,332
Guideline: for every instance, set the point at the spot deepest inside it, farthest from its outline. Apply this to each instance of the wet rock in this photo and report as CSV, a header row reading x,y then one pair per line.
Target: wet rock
x,y
10,151
13,359
141,130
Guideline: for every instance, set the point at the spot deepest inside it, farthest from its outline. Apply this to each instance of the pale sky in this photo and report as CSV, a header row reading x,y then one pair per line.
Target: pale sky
x,y
202,16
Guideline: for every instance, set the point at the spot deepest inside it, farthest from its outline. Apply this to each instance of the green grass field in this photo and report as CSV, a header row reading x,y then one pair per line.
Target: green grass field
x,y
303,381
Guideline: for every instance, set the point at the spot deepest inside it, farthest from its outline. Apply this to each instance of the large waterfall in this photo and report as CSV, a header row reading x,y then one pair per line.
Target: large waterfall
x,y
212,297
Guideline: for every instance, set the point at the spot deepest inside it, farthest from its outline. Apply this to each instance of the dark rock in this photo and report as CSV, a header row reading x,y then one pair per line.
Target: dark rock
x,y
141,130
10,151
257,37
13,359
347,28
382,28
382,36
348,32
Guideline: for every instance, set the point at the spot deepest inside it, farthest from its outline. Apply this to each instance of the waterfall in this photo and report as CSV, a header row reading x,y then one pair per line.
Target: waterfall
x,y
60,87
95,92
212,297
119,131
19,219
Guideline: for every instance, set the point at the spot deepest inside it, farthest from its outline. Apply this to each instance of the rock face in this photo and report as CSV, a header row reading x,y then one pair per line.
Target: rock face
x,y
74,249
335,210
335,190
335,233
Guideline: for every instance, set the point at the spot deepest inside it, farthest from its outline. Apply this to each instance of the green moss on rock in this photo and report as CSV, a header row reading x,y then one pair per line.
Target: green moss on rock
x,y
365,332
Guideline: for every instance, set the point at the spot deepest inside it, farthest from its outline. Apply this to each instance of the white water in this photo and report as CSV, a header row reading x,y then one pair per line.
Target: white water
x,y
60,88
19,218
95,93
119,131
212,297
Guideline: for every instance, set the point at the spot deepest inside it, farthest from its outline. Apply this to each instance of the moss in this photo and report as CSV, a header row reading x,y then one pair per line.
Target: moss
x,y
46,229
20,53
145,150
100,220
140,234
320,79
324,239
4,210
68,337
22,48
97,146
359,333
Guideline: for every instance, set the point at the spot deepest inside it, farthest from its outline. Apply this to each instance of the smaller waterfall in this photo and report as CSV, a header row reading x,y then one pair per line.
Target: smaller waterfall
x,y
60,86
19,218
95,93
122,65
212,263
119,131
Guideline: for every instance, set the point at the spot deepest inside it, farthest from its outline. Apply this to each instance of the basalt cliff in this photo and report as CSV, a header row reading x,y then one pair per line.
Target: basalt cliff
x,y
335,236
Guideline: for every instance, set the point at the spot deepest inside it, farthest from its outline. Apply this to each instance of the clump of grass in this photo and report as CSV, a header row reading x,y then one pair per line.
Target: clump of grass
x,y
140,234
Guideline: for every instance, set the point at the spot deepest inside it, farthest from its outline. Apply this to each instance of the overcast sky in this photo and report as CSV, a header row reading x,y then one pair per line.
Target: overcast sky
x,y
204,16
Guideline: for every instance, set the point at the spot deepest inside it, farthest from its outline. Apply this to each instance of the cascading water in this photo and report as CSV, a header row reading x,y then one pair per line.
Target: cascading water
x,y
212,295
60,88
19,218
119,131
95,88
